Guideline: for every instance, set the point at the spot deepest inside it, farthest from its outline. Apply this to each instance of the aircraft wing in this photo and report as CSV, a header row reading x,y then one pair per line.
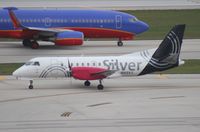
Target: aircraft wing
x,y
106,73
91,73
46,31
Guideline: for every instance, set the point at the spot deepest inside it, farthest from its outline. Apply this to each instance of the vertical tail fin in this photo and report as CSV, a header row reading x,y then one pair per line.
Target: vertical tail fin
x,y
14,19
167,54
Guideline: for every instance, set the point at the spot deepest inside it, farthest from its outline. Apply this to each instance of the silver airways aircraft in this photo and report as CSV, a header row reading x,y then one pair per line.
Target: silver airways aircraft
x,y
166,56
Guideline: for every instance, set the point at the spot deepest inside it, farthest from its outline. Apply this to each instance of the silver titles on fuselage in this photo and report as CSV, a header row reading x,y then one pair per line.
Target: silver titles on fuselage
x,y
123,66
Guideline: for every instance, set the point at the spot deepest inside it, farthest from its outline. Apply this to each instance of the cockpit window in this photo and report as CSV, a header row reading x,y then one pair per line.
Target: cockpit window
x,y
133,19
35,63
28,63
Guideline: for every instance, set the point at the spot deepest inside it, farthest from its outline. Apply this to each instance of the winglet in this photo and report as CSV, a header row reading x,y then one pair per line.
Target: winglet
x,y
15,21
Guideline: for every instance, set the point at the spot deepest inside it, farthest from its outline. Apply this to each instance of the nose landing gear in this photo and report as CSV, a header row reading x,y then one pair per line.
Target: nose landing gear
x,y
31,84
120,43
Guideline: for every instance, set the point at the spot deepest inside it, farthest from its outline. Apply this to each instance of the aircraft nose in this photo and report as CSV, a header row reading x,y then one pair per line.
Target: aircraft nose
x,y
142,27
16,73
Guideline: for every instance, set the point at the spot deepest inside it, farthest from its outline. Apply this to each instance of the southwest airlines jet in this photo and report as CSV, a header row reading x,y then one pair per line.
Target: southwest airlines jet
x,y
67,27
166,56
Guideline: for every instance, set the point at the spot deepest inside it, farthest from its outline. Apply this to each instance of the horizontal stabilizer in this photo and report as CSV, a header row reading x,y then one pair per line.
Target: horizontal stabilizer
x,y
10,8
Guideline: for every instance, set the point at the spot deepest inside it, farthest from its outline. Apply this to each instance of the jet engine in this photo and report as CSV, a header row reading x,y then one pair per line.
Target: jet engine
x,y
69,38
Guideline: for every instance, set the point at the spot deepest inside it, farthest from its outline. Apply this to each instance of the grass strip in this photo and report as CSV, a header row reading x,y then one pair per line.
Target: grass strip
x,y
161,21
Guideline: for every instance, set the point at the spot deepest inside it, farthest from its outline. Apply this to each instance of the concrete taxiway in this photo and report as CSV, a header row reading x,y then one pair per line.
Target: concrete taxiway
x,y
15,52
148,103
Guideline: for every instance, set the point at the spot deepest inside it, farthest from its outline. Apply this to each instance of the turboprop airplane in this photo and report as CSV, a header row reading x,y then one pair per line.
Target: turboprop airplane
x,y
166,56
68,27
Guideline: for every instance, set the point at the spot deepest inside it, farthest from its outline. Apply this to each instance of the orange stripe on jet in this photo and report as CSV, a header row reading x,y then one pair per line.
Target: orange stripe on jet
x,y
14,19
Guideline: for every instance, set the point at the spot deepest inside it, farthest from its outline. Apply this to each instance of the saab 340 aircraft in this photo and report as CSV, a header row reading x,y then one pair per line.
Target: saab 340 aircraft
x,y
67,27
166,56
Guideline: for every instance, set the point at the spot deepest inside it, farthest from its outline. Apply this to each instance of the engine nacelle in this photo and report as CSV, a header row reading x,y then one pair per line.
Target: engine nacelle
x,y
87,73
69,38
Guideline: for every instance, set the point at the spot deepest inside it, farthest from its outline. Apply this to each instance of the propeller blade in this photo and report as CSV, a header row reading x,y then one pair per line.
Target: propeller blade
x,y
70,68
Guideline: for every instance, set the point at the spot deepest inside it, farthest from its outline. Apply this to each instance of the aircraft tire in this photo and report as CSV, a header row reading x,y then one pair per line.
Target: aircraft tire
x,y
100,87
30,87
26,42
120,43
34,45
87,83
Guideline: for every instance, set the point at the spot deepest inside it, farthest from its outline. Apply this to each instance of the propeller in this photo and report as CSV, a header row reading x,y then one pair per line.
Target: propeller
x,y
70,68
70,72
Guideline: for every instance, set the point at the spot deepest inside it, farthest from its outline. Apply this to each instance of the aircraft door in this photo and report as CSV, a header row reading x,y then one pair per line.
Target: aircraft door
x,y
118,20
47,22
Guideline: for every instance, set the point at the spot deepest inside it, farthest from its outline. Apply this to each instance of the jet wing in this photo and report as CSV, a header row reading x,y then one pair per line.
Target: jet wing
x,y
46,31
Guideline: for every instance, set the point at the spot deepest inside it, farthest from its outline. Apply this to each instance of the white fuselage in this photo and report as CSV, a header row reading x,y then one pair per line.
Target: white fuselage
x,y
58,67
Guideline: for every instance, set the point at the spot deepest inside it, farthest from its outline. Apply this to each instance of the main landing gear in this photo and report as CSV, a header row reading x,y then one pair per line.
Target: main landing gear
x,y
32,44
120,43
99,87
87,83
31,84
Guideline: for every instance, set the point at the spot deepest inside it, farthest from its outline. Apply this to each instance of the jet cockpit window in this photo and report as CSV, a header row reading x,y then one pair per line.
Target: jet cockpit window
x,y
132,19
31,63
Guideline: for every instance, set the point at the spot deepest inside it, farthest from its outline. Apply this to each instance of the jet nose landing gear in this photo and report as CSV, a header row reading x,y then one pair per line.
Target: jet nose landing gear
x,y
120,43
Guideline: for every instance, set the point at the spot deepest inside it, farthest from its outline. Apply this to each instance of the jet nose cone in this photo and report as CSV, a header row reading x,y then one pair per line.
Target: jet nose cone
x,y
142,27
